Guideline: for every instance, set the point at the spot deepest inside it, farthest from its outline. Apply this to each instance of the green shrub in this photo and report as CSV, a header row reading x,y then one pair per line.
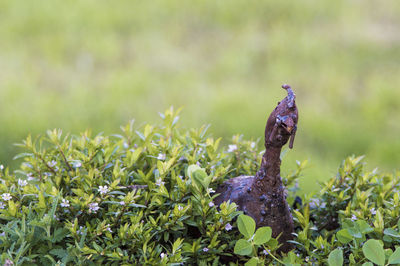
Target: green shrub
x,y
142,197
145,197
355,212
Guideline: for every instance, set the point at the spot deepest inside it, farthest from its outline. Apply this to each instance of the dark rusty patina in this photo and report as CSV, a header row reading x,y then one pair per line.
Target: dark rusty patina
x,y
263,196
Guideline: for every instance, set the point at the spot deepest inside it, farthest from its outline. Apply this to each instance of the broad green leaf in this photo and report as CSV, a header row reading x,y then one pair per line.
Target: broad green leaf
x,y
395,257
355,232
391,232
263,235
373,251
252,262
336,258
246,225
242,247
344,236
367,264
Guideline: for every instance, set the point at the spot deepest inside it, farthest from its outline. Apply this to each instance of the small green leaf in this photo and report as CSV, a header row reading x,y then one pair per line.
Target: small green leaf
x,y
242,247
177,245
198,176
373,251
246,225
22,155
272,243
388,253
395,257
42,201
379,223
263,235
12,208
364,227
344,236
59,252
336,258
252,262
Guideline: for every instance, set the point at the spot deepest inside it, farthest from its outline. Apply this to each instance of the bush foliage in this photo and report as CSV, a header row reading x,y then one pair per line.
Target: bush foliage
x,y
145,197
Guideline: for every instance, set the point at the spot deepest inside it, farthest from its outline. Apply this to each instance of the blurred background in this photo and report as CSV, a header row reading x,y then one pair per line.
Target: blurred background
x,y
97,64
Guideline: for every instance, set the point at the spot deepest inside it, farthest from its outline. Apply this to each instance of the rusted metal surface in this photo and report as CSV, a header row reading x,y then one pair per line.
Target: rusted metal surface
x,y
263,196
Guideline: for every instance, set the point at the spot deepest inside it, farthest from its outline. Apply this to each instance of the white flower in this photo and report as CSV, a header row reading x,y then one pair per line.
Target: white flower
x,y
2,205
232,148
64,203
253,145
265,252
180,208
93,207
159,182
76,164
1,167
52,163
80,231
108,228
6,196
122,203
314,203
353,217
210,190
228,227
161,156
373,211
205,249
103,190
211,204
22,183
163,255
30,176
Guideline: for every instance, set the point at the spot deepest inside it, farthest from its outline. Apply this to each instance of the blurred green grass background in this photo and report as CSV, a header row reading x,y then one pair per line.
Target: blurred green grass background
x,y
96,64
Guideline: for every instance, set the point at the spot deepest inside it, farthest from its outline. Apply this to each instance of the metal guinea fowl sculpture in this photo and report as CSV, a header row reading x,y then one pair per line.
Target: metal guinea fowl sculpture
x,y
263,196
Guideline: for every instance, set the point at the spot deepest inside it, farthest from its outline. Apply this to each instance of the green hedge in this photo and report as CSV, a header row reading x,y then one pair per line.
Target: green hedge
x,y
145,197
